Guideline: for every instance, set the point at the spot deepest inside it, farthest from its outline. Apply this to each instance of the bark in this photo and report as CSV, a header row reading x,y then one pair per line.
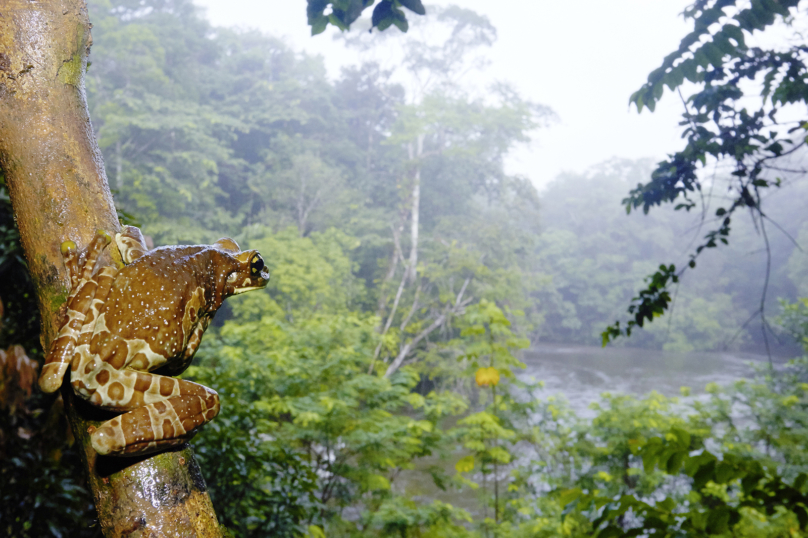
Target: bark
x,y
59,191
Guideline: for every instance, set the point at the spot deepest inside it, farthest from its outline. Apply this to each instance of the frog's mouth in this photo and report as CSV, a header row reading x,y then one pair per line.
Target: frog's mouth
x,y
250,283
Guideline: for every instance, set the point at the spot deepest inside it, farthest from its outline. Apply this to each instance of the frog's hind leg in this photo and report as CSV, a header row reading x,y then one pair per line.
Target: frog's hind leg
x,y
162,411
79,301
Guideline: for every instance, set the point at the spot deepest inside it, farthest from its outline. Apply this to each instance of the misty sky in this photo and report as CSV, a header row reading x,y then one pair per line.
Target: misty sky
x,y
583,59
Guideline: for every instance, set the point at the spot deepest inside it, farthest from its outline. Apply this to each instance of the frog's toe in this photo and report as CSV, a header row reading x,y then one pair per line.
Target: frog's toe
x,y
105,238
68,247
52,376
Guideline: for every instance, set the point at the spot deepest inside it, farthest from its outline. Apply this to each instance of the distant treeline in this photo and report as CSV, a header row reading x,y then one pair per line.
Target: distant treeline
x,y
597,256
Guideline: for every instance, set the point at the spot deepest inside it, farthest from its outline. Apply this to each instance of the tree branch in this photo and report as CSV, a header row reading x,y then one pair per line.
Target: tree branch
x,y
412,343
412,309
392,312
394,258
458,305
59,191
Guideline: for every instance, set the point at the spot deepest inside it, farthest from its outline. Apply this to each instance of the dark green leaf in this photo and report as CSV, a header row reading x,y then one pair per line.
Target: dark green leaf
x,y
414,5
318,25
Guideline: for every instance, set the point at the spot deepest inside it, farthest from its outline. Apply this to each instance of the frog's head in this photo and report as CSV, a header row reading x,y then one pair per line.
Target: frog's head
x,y
250,274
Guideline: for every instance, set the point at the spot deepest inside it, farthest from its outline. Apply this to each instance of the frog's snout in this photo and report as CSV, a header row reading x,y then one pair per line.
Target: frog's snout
x,y
262,279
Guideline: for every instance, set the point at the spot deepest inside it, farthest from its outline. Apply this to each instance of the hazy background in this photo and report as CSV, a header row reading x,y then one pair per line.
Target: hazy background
x,y
583,59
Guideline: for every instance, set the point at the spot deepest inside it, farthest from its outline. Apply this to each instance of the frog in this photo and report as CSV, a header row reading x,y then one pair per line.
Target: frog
x,y
132,326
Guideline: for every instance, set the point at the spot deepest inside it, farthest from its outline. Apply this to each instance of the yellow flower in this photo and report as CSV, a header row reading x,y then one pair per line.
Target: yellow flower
x,y
487,376
465,465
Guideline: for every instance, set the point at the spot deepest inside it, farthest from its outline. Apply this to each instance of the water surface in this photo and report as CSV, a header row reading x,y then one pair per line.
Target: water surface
x,y
582,373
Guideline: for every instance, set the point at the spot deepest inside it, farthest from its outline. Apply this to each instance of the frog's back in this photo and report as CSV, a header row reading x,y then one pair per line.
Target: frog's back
x,y
152,308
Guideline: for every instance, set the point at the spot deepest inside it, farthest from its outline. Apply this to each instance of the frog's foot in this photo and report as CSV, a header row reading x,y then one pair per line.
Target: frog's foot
x,y
180,409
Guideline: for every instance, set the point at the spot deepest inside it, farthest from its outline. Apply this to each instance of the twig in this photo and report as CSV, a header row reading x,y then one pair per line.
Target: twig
x,y
790,237
764,324
741,328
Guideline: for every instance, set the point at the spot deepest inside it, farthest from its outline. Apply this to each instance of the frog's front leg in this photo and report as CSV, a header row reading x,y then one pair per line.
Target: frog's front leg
x,y
83,291
191,347
161,411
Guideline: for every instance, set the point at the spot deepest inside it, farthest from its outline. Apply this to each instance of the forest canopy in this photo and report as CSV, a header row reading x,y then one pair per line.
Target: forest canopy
x,y
272,142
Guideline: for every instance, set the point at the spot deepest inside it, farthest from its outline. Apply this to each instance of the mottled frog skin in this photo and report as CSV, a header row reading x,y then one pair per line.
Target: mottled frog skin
x,y
122,324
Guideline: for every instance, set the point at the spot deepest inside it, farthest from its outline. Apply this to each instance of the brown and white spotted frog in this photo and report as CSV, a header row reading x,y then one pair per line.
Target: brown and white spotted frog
x,y
124,323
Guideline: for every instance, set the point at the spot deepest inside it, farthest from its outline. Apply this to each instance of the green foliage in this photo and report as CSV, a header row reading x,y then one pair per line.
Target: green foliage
x,y
649,304
305,422
734,466
725,492
794,320
488,435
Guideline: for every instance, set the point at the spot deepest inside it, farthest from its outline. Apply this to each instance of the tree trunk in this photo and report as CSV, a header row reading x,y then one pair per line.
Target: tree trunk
x,y
415,155
59,191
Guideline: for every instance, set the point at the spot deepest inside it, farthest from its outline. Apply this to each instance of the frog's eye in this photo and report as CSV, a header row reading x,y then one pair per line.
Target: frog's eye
x,y
256,264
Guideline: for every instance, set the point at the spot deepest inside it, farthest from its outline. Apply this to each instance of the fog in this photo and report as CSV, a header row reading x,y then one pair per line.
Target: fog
x,y
582,59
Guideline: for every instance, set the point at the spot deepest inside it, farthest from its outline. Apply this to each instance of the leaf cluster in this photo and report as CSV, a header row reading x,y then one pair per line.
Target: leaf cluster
x,y
343,13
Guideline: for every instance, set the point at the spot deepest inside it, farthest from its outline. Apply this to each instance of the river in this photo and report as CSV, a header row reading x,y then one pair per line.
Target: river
x,y
582,373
